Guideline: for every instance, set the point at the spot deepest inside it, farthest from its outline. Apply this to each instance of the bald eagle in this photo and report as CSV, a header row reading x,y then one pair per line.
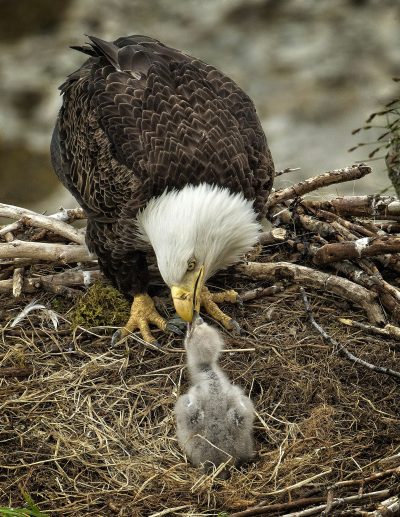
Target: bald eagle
x,y
164,150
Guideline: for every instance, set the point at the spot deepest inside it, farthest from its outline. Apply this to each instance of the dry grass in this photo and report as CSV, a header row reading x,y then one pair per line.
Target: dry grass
x,y
91,430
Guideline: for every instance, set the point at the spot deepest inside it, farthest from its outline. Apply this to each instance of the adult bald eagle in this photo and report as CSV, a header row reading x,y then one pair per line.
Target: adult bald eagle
x,y
160,148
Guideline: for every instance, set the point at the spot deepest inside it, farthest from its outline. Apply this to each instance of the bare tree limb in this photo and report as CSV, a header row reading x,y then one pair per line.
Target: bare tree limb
x,y
323,180
273,236
339,501
340,349
17,282
278,507
44,251
388,508
317,280
54,224
71,278
260,292
364,247
377,206
286,171
389,331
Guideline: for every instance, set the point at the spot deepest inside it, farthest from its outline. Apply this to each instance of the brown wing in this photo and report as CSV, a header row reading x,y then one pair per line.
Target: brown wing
x,y
139,117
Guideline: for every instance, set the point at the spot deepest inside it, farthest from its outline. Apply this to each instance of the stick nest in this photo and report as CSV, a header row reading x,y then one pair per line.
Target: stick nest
x,y
89,430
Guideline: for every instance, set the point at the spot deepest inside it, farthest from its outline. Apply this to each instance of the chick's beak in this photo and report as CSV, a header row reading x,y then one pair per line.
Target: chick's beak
x,y
186,296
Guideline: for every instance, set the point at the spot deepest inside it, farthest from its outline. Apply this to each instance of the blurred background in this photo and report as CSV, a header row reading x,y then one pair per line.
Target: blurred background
x,y
314,68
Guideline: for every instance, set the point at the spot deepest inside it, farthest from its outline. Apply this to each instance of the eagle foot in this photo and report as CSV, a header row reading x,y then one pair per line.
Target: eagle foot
x,y
209,302
143,312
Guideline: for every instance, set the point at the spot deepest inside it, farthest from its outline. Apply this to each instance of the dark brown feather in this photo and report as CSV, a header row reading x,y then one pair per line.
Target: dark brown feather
x,y
139,117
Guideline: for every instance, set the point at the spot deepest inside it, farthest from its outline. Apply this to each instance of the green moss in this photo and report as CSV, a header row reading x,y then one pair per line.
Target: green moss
x,y
100,305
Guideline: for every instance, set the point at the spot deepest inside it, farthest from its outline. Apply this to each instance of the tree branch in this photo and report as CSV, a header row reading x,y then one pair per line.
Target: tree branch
x,y
340,349
364,247
317,280
44,251
323,180
52,223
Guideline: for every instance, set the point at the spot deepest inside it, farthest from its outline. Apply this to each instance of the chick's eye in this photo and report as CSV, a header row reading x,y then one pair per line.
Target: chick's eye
x,y
191,264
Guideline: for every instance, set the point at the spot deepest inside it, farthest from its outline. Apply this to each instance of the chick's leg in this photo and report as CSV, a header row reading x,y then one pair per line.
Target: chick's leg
x,y
209,302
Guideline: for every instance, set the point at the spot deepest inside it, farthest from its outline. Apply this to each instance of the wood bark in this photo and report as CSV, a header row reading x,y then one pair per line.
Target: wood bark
x,y
305,276
364,247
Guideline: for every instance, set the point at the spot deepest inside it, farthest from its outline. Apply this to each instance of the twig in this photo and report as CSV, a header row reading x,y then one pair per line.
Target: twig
x,y
318,280
273,236
372,496
379,207
44,251
13,371
17,281
340,349
260,292
328,178
299,484
278,507
363,481
27,217
65,279
364,247
388,508
388,330
286,171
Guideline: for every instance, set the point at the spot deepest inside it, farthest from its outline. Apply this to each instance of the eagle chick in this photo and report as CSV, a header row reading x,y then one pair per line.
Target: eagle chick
x,y
214,419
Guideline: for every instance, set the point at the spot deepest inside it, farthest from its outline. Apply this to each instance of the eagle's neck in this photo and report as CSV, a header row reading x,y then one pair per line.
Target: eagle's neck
x,y
204,222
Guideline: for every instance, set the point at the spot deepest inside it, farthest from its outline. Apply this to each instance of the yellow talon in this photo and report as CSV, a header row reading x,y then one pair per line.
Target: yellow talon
x,y
209,302
143,312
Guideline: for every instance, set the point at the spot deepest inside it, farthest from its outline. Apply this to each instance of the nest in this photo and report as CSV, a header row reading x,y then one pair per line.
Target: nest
x,y
88,429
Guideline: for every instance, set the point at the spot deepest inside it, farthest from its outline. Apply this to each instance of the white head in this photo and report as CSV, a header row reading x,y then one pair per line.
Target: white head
x,y
197,231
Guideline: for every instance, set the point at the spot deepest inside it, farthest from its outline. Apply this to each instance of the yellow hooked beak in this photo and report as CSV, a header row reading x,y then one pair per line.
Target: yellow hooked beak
x,y
186,296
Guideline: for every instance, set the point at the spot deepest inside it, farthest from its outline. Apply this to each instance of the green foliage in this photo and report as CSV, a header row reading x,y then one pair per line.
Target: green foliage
x,y
21,512
31,509
388,141
100,305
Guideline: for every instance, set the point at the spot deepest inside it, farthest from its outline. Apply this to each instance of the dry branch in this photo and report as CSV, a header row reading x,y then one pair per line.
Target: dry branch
x,y
273,236
29,218
278,507
308,277
364,247
14,371
340,349
390,331
70,278
323,180
63,253
388,508
377,206
286,171
260,292
340,501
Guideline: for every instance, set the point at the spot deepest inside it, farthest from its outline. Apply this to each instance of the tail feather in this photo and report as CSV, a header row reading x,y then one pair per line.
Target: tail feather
x,y
106,49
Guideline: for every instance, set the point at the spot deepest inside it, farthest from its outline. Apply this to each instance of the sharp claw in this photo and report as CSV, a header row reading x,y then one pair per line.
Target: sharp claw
x,y
235,326
116,337
173,328
155,343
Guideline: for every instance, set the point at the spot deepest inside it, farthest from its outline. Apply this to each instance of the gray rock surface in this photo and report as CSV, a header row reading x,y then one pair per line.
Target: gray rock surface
x,y
315,69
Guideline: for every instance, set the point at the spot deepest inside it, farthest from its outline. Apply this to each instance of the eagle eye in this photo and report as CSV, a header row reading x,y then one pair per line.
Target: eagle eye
x,y
191,264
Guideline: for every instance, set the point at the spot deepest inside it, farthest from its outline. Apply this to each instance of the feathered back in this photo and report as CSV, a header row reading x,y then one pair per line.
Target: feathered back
x,y
152,118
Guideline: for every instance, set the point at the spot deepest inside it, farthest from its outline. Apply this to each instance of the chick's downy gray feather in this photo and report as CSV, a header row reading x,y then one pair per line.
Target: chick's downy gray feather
x,y
214,419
